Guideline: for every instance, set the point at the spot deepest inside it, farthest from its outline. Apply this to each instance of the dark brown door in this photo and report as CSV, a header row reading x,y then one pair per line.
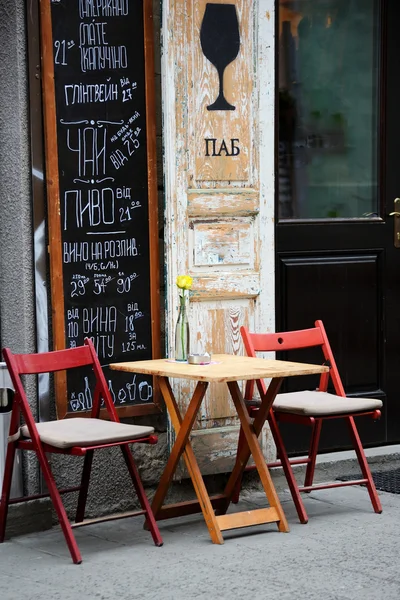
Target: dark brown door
x,y
339,175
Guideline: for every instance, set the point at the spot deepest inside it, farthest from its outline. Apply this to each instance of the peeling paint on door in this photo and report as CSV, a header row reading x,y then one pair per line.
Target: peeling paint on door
x,y
219,198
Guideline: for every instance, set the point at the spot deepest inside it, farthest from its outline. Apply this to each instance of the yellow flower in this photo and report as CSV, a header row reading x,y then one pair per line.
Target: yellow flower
x,y
184,282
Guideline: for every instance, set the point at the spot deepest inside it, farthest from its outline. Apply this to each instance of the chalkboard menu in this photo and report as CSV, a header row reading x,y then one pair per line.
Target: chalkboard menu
x,y
101,183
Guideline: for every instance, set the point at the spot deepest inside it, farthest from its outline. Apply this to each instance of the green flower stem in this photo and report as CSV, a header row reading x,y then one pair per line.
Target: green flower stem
x,y
183,309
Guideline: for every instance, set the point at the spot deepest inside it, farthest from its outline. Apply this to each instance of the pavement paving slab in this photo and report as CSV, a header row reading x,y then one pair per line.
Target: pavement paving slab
x,y
345,552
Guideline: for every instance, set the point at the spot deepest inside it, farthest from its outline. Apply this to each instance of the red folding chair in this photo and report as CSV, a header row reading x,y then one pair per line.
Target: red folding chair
x,y
309,408
74,437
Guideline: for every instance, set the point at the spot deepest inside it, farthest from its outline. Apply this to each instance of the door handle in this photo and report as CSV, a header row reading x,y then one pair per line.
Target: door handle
x,y
396,215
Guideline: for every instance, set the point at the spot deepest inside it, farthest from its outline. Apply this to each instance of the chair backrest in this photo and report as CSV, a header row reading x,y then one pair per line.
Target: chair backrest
x,y
293,340
50,362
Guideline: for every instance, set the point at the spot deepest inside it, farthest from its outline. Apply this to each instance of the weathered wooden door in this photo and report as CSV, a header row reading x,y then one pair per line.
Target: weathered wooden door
x,y
338,254
217,132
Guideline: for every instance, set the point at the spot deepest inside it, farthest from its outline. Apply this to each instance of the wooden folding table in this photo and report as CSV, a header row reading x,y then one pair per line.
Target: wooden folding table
x,y
227,369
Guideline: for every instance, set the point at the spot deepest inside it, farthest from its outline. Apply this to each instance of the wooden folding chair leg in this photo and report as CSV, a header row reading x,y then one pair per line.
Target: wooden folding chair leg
x,y
5,493
285,463
312,453
141,494
288,470
59,507
83,493
362,459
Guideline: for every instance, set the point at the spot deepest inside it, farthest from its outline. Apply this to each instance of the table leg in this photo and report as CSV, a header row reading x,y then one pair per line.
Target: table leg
x,y
181,446
244,451
252,446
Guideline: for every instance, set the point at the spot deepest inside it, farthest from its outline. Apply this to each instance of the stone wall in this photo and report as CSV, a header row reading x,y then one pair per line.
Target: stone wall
x,y
17,293
111,488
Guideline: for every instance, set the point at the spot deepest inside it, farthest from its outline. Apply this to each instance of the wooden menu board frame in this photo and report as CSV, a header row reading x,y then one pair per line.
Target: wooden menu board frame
x,y
54,208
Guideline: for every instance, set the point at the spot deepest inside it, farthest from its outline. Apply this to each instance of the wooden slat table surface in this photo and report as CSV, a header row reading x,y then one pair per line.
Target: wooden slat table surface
x,y
224,367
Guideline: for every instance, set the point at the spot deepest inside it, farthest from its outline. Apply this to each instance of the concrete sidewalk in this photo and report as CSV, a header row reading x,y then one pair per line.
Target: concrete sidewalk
x,y
346,551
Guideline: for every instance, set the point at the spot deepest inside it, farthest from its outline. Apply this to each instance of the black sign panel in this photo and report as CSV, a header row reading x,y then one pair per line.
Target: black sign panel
x,y
100,111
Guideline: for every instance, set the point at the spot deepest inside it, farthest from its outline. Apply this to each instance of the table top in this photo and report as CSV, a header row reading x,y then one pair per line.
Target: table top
x,y
224,367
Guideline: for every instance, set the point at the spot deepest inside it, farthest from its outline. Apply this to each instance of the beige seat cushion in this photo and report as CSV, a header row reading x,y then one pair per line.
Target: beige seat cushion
x,y
86,432
316,404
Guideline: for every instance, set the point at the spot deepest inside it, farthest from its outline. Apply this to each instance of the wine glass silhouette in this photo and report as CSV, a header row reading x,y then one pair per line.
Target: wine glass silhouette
x,y
220,42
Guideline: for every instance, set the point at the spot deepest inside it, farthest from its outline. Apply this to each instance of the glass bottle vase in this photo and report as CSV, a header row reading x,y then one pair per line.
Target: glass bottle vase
x,y
182,337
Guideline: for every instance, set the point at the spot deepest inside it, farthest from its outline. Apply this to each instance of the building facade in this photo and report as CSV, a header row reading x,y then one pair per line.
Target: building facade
x,y
276,144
